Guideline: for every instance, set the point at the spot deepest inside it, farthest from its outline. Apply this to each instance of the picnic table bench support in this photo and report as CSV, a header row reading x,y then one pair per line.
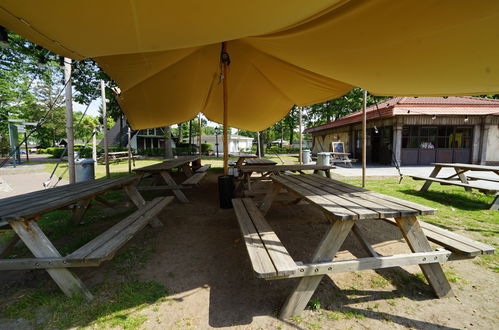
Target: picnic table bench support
x,y
326,251
139,202
170,182
79,210
41,247
418,242
433,174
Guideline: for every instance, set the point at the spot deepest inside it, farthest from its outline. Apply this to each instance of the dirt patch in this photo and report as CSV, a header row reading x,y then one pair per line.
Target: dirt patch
x,y
200,257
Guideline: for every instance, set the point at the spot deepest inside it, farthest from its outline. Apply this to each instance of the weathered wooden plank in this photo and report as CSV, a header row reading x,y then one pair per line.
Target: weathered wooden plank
x,y
354,265
416,239
53,200
335,210
108,247
486,190
203,168
283,168
452,241
377,203
41,247
164,187
326,251
168,164
170,182
260,259
79,211
259,161
422,209
269,197
194,179
43,263
151,209
357,204
280,257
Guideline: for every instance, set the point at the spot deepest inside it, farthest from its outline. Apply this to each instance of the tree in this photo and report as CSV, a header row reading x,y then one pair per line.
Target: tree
x,y
334,109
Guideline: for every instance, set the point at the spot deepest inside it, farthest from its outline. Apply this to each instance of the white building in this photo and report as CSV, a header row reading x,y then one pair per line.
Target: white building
x,y
237,143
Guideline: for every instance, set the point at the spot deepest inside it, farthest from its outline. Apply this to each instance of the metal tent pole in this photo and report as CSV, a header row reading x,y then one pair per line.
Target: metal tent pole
x,y
364,138
300,156
225,64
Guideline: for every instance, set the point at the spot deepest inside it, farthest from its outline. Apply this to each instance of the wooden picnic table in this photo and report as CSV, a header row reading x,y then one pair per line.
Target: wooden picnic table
x,y
462,180
21,213
343,205
163,170
259,161
242,157
267,170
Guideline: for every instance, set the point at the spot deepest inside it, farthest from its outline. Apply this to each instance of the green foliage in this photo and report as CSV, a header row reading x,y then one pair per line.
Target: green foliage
x,y
314,304
206,147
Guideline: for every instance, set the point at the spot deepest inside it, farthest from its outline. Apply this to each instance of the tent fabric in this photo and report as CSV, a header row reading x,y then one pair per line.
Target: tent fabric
x,y
165,55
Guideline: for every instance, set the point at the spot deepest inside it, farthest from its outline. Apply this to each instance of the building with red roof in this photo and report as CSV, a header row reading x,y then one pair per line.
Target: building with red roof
x,y
419,131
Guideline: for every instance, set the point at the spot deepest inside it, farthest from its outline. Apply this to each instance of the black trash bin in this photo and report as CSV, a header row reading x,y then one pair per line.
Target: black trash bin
x,y
226,191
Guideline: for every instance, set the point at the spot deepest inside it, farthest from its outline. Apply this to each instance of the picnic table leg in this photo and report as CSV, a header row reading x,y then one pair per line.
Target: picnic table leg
x,y
139,201
462,177
326,251
269,198
495,203
177,192
433,174
79,211
418,242
41,247
187,170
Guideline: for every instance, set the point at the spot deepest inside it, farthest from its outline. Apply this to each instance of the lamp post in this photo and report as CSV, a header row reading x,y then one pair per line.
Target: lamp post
x,y
217,131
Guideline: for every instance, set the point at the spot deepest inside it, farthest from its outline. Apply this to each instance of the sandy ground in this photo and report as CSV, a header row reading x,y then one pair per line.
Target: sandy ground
x,y
200,256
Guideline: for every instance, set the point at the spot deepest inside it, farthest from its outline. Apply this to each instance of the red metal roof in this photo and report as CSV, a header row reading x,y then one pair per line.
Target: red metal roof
x,y
413,106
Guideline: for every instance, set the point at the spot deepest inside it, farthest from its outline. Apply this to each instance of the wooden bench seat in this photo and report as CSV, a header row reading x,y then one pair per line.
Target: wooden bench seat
x,y
472,177
104,246
268,256
203,168
101,248
485,190
194,179
462,247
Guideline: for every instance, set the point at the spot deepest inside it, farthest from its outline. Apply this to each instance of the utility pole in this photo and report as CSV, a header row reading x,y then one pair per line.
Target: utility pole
x,y
104,119
69,120
168,142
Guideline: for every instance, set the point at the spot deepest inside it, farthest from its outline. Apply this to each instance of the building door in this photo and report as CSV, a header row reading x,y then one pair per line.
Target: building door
x,y
381,145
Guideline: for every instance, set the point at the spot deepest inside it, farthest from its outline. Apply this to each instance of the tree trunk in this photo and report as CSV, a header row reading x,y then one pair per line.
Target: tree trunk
x,y
168,143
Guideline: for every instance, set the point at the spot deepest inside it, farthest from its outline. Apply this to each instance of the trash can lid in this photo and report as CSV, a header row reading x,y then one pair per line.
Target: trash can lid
x,y
84,161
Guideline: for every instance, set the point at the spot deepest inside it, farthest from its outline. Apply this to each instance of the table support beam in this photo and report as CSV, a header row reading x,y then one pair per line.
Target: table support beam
x,y
326,251
417,241
433,174
41,247
170,182
139,202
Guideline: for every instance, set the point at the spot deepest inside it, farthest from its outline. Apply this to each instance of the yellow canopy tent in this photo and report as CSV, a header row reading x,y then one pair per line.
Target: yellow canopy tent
x,y
165,55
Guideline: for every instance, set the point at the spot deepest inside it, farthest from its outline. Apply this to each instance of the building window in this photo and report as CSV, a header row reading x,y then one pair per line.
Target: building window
x,y
430,137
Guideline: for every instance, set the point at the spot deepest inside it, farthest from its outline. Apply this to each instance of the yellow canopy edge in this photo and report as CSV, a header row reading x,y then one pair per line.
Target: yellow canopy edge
x,y
164,55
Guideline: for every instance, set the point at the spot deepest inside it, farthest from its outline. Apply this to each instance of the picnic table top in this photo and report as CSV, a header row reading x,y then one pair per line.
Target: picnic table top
x,y
471,167
339,153
31,205
283,168
260,161
242,155
343,201
168,164
117,153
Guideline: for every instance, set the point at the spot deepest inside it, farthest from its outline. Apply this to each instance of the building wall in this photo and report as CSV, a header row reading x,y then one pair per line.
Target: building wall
x,y
323,142
492,156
